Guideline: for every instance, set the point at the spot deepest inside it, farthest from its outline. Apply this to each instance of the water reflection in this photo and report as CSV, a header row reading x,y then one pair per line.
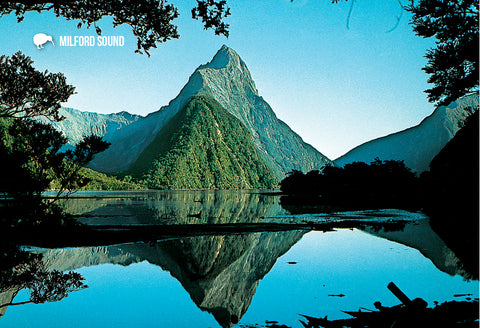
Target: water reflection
x,y
20,269
419,235
174,207
222,273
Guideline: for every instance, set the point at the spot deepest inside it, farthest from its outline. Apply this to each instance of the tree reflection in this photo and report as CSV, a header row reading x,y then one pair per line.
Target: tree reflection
x,y
20,269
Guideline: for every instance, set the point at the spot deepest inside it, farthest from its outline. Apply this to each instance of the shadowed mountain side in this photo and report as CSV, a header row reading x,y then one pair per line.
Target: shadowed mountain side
x,y
419,235
221,273
452,190
418,145
175,207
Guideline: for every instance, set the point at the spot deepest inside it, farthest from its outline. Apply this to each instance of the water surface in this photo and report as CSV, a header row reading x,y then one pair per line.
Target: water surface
x,y
237,279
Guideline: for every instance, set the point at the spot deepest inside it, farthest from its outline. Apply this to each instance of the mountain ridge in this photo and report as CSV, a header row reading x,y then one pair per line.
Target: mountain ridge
x,y
240,97
78,124
227,80
417,145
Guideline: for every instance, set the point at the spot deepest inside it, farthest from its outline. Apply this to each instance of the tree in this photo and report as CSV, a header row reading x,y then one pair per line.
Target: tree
x,y
26,92
33,160
31,152
453,63
150,20
357,185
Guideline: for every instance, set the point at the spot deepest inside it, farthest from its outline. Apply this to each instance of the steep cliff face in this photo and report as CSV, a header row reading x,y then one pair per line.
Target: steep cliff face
x,y
417,146
227,80
78,124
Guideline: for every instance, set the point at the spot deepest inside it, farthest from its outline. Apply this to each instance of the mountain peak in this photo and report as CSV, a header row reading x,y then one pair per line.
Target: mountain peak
x,y
225,57
227,80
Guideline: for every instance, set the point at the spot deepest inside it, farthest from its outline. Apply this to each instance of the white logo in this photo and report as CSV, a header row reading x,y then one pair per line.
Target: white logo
x,y
91,41
41,38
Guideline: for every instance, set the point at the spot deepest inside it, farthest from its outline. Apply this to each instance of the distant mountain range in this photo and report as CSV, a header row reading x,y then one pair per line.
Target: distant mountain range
x,y
78,124
417,146
265,145
231,138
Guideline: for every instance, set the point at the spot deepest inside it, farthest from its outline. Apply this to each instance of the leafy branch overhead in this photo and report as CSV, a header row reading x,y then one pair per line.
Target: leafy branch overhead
x,y
26,92
150,20
212,13
453,63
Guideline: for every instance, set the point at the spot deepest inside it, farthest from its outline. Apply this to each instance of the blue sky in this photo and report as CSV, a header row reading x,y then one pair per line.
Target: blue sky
x,y
337,87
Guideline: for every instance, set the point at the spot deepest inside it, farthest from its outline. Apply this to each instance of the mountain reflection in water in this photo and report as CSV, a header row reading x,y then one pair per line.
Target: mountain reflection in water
x,y
222,273
174,207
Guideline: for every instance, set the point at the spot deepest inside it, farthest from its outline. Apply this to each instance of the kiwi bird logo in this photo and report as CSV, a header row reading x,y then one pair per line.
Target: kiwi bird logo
x,y
41,38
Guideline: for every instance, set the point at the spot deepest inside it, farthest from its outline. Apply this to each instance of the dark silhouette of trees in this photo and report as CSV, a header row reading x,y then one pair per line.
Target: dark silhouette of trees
x,y
20,269
357,185
212,14
453,63
26,92
151,20
32,156
33,159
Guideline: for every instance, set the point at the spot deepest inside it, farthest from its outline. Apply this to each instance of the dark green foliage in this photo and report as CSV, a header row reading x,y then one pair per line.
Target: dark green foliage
x,y
30,151
453,63
212,12
26,92
101,181
150,20
203,146
359,185
32,160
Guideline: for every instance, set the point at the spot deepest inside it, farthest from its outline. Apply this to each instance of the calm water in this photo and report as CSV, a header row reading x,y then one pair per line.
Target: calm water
x,y
214,281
